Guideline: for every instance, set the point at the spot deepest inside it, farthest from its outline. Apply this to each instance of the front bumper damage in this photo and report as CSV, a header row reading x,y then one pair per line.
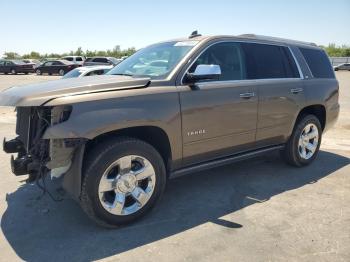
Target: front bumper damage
x,y
38,157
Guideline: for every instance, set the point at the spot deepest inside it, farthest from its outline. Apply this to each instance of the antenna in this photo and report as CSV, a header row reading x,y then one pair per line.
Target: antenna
x,y
194,34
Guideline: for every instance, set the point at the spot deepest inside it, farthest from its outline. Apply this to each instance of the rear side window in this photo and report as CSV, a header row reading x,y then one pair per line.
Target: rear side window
x,y
100,60
68,58
269,61
79,59
318,62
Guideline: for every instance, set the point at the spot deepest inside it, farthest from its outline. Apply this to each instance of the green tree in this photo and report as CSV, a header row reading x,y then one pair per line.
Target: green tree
x,y
11,55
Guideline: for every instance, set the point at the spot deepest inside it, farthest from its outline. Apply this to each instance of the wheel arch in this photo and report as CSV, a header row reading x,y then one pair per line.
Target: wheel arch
x,y
153,135
317,110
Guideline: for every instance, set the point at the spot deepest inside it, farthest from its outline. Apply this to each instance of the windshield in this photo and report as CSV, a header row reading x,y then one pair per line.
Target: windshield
x,y
156,61
73,73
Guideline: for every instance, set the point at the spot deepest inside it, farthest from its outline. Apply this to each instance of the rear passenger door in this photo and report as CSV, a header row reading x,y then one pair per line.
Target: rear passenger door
x,y
280,89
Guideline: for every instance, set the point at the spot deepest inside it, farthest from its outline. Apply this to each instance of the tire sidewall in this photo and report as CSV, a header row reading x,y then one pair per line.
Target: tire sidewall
x,y
309,119
98,167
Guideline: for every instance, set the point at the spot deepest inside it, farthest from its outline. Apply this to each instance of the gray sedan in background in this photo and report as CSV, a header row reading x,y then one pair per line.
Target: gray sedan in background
x,y
345,66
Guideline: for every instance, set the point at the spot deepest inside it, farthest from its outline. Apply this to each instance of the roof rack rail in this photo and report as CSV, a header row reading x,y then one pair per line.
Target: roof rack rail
x,y
278,39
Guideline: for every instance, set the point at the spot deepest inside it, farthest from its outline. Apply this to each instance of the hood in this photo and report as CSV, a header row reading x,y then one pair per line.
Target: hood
x,y
40,93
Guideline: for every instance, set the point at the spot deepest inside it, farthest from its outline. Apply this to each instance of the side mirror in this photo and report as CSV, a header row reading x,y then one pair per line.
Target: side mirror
x,y
204,72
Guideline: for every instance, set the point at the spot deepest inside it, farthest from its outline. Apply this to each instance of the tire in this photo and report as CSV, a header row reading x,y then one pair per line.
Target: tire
x,y
13,71
38,72
296,152
26,73
100,206
61,72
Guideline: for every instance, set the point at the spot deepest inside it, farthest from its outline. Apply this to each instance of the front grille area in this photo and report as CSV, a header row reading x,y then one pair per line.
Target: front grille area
x,y
23,125
31,123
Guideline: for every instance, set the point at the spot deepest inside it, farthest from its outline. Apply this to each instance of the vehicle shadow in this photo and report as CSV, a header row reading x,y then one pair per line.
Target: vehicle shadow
x,y
43,230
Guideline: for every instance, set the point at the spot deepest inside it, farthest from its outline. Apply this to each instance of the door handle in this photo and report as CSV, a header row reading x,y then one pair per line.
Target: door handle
x,y
296,90
247,95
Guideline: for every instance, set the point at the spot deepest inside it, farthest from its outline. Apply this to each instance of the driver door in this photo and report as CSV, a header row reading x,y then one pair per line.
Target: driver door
x,y
219,118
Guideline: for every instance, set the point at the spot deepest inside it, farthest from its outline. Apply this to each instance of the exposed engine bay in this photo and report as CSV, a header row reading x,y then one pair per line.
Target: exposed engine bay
x,y
39,157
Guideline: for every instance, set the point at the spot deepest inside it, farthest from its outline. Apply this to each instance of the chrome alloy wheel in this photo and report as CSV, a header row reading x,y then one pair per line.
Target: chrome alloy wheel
x,y
308,141
127,185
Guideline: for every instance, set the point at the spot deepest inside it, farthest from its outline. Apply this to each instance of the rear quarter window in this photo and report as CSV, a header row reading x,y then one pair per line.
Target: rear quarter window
x,y
318,62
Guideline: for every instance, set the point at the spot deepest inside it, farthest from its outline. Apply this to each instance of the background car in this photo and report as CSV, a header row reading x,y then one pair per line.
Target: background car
x,y
75,59
33,62
60,67
345,66
100,60
88,71
15,66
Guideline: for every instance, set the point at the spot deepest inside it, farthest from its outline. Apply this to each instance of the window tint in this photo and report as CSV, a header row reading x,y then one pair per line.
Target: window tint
x,y
68,58
100,60
95,72
78,59
318,62
268,61
228,56
57,63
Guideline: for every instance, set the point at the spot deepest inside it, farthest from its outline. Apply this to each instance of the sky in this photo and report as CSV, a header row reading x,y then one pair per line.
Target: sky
x,y
64,25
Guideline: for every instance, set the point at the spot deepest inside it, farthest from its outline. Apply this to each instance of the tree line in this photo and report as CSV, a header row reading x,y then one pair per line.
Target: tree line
x,y
332,50
116,52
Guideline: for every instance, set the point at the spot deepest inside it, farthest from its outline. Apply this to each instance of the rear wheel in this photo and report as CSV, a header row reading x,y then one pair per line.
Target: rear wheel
x,y
304,143
13,71
61,72
38,72
123,180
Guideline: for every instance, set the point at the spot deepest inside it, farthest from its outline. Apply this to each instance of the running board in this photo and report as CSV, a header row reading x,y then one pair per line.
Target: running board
x,y
223,161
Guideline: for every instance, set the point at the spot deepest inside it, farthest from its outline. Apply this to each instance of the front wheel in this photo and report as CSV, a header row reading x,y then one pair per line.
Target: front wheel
x,y
123,180
304,143
61,72
13,71
38,72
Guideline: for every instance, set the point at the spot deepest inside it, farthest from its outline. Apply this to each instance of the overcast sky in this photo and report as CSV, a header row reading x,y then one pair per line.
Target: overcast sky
x,y
64,25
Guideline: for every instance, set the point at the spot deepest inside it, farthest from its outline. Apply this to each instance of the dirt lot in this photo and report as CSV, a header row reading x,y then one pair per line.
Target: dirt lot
x,y
261,210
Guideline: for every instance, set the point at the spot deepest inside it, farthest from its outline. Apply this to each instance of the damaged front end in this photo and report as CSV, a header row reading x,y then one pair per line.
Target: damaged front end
x,y
36,156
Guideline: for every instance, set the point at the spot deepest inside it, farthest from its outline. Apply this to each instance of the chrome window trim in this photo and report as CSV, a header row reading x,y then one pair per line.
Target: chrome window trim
x,y
301,76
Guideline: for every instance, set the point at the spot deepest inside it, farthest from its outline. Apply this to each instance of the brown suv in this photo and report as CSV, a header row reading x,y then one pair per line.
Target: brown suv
x,y
172,108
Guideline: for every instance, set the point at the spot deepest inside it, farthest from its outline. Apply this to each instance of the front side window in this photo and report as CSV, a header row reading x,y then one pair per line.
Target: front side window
x,y
78,59
156,61
245,61
68,58
228,56
48,63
